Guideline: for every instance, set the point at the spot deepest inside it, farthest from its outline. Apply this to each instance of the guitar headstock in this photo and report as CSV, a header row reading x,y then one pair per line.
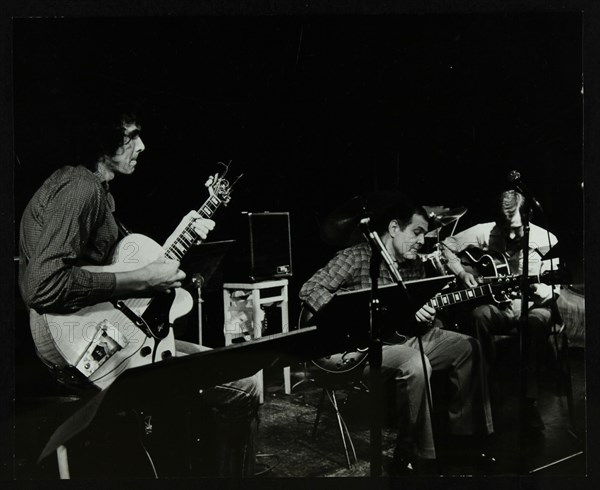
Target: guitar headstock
x,y
218,186
511,284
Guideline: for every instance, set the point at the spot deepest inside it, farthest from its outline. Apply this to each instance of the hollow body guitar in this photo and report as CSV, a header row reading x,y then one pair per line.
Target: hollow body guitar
x,y
491,269
103,340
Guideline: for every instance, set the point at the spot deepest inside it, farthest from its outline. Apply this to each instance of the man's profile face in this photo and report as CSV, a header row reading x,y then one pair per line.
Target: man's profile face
x,y
408,241
125,158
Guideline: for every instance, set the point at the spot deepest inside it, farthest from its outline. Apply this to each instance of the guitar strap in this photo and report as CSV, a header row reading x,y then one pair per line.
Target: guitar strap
x,y
123,230
537,250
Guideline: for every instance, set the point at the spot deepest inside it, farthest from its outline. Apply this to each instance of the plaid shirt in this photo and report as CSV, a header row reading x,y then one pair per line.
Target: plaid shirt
x,y
68,223
349,270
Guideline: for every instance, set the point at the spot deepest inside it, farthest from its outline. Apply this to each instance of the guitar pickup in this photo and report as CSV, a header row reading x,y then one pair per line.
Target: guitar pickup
x,y
103,346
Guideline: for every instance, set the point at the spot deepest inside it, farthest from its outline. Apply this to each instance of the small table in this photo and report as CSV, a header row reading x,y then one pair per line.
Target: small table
x,y
244,315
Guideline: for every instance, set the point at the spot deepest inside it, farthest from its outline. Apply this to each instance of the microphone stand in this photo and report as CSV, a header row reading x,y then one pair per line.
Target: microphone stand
x,y
523,323
375,355
378,251
523,320
198,281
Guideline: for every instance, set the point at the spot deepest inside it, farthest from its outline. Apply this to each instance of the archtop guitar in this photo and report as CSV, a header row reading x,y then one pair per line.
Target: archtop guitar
x,y
103,340
497,289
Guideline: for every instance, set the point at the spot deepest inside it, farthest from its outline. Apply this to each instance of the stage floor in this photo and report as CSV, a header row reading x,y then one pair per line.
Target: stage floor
x,y
285,448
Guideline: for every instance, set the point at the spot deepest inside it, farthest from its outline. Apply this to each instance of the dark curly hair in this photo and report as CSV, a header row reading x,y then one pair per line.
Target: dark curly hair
x,y
103,133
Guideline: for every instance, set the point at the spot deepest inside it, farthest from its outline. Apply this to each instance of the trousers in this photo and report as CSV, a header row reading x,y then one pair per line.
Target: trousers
x,y
225,420
469,410
489,320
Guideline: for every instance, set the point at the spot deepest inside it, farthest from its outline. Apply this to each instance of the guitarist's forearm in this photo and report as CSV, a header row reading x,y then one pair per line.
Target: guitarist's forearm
x,y
158,276
131,282
452,261
455,267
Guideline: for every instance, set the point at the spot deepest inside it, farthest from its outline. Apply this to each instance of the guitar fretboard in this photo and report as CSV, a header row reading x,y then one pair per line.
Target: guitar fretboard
x,y
455,297
187,237
501,289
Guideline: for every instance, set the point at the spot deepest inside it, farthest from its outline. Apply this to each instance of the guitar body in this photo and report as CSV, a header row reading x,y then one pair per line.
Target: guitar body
x,y
338,363
342,362
482,263
496,284
100,341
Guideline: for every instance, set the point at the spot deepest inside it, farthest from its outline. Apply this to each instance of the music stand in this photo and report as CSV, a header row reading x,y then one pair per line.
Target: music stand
x,y
203,262
168,379
349,312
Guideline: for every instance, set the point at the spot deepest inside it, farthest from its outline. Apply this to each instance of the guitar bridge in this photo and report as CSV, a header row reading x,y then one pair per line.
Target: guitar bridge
x,y
102,347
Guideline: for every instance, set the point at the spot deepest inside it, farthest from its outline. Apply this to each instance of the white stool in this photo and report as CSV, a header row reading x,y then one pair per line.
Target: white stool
x,y
243,307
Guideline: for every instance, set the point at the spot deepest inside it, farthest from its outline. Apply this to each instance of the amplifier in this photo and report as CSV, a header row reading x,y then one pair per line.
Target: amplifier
x,y
263,248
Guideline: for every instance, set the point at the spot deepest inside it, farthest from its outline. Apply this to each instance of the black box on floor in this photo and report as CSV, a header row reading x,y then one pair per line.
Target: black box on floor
x,y
263,248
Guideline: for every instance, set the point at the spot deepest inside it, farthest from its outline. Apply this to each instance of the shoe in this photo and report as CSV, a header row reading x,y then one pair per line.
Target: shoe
x,y
469,454
530,416
486,462
404,464
401,467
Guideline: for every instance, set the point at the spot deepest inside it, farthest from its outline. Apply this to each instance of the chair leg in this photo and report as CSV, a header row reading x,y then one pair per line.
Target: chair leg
x,y
63,463
343,428
319,412
344,433
303,380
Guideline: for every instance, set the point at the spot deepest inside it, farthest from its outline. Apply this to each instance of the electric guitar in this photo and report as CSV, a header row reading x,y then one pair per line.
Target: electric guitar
x,y
101,341
497,289
487,264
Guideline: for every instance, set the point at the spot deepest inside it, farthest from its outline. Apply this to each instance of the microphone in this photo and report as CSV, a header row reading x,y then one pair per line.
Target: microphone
x,y
514,178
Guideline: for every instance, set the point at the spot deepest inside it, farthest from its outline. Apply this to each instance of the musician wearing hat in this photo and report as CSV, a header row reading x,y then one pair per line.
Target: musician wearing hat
x,y
503,240
402,228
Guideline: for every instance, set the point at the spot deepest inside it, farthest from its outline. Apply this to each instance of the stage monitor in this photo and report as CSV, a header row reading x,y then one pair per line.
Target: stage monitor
x,y
263,248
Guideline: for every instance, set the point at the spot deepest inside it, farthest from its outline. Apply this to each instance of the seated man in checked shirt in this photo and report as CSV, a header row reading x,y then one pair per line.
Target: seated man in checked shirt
x,y
402,232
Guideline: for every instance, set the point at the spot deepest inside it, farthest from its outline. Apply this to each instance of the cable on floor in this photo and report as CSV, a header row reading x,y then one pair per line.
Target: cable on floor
x,y
267,468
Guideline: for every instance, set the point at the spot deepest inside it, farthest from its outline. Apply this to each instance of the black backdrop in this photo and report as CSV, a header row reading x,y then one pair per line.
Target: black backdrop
x,y
314,110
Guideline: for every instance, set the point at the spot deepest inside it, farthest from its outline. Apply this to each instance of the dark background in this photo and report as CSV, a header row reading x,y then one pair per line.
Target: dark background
x,y
513,102
314,110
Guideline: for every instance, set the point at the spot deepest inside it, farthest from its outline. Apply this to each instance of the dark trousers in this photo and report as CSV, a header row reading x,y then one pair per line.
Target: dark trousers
x,y
489,320
469,411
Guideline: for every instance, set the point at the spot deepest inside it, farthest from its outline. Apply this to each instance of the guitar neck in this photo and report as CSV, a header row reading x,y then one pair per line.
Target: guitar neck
x,y
500,285
455,297
187,237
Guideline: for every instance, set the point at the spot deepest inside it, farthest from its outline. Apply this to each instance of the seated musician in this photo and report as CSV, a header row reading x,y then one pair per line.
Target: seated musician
x,y
505,237
69,223
402,232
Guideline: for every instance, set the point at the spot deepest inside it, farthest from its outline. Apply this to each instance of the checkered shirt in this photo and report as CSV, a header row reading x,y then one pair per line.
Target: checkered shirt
x,y
68,223
349,270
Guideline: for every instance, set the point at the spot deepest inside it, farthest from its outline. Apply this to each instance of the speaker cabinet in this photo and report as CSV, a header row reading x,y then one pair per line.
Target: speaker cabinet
x,y
263,248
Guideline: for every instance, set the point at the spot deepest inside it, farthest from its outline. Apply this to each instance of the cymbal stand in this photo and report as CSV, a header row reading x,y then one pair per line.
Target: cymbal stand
x,y
453,228
375,349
